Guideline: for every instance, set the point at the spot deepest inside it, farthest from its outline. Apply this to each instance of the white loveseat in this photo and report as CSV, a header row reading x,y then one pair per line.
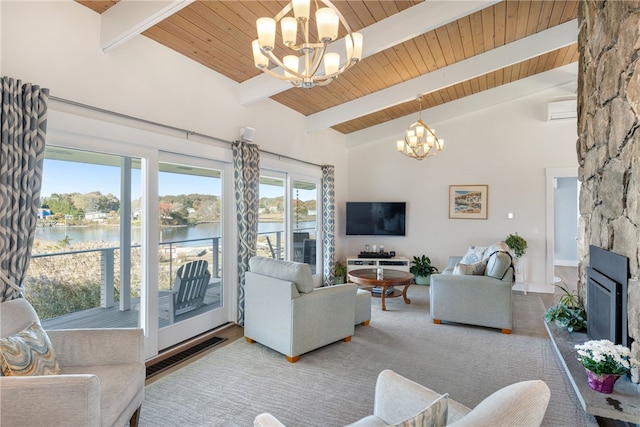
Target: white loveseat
x,y
398,399
285,312
476,292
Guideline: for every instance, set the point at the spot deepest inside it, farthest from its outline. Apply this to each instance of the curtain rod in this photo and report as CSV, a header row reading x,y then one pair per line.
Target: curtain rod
x,y
162,125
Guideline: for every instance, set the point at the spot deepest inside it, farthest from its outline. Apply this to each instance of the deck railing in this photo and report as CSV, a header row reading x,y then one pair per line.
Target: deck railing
x,y
105,264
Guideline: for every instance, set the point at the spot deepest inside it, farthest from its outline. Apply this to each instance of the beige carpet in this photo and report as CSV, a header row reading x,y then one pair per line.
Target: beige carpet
x,y
334,385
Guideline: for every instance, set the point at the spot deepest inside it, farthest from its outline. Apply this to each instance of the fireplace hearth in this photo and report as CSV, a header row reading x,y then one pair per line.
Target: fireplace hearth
x,y
607,281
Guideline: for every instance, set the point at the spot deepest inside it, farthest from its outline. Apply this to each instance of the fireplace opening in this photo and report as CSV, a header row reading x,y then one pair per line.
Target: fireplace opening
x,y
607,280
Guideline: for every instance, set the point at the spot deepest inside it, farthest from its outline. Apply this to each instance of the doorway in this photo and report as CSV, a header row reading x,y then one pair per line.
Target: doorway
x,y
563,189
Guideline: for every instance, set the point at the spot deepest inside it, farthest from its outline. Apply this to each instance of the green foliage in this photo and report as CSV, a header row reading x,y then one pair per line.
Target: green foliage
x,y
340,269
422,266
568,312
517,244
55,299
63,243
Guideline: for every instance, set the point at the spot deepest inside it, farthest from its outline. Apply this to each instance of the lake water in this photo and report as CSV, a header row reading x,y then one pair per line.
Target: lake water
x,y
102,233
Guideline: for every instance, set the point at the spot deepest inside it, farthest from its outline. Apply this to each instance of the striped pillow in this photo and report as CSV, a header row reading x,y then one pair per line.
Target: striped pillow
x,y
28,353
434,415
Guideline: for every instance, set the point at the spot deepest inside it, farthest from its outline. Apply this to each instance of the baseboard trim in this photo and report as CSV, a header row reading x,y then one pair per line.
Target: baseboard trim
x,y
565,263
540,288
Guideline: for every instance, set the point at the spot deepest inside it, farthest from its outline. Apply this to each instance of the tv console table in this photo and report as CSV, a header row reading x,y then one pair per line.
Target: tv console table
x,y
395,263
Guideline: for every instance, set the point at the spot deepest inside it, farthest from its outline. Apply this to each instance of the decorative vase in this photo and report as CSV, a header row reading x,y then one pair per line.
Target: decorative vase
x,y
423,280
603,383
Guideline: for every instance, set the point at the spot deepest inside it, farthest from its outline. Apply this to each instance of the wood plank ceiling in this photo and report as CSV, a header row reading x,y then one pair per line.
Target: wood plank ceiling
x,y
218,34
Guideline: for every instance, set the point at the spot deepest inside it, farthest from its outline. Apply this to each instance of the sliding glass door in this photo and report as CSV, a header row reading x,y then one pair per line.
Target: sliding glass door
x,y
288,218
191,292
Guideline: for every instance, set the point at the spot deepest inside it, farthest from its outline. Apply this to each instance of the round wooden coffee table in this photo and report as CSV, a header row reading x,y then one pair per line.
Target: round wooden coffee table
x,y
367,277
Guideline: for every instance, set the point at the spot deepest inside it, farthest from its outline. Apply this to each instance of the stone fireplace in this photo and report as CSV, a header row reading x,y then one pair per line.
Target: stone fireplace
x,y
608,145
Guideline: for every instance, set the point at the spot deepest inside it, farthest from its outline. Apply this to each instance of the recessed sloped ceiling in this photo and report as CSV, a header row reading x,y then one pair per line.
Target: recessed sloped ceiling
x,y
518,39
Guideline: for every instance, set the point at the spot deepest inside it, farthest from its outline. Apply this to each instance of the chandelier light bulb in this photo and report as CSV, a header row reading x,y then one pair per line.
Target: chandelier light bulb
x,y
266,33
291,62
400,145
331,63
354,53
327,22
419,131
259,60
289,29
301,9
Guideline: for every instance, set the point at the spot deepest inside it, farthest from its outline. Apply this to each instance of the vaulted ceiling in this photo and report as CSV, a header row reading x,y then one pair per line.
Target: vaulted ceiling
x,y
445,50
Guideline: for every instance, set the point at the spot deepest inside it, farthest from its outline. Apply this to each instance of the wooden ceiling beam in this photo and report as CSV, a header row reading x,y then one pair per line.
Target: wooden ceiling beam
x,y
512,53
382,35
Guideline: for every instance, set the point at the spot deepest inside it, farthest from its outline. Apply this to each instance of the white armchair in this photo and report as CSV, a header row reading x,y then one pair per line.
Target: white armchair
x,y
101,381
398,399
283,310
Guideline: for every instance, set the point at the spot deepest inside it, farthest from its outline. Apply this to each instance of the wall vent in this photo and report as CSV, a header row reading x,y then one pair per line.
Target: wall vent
x,y
562,110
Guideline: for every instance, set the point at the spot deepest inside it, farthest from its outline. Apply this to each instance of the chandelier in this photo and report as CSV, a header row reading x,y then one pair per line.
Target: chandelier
x,y
420,140
307,54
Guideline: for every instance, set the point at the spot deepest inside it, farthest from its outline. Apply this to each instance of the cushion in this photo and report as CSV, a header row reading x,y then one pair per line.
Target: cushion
x,y
476,269
498,246
434,415
497,265
28,352
296,272
474,254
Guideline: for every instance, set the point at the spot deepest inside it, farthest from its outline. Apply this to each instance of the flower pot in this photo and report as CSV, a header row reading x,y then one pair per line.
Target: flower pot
x,y
603,383
423,280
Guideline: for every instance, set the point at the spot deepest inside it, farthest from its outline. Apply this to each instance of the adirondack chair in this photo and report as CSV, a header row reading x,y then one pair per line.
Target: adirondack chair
x,y
188,290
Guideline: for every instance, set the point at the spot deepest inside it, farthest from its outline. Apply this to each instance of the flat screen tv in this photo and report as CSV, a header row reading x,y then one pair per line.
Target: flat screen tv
x,y
376,218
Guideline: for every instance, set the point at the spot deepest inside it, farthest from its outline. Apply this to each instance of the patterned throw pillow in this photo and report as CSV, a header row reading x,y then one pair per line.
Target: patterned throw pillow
x,y
28,353
474,254
476,269
434,415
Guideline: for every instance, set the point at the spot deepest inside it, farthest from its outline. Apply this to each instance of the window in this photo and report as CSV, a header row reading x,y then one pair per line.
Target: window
x,y
85,269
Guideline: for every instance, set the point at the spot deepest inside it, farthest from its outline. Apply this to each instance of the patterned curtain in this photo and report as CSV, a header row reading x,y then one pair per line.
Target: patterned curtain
x,y
328,224
23,118
246,165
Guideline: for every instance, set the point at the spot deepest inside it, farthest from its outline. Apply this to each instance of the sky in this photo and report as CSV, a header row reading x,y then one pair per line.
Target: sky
x,y
74,177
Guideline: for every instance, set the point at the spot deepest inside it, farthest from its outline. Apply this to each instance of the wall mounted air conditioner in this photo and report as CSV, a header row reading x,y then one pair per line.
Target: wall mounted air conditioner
x,y
561,110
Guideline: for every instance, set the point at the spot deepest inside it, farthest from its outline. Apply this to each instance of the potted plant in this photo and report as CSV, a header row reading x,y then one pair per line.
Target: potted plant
x,y
568,312
340,273
517,244
604,363
422,269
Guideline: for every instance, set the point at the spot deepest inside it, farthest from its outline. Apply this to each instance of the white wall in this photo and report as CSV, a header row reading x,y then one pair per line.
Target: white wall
x,y
506,147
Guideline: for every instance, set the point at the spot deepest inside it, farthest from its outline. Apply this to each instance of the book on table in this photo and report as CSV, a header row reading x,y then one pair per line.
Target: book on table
x,y
378,290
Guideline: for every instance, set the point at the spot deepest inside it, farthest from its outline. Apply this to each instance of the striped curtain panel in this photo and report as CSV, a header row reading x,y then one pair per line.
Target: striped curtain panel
x,y
328,224
246,165
24,125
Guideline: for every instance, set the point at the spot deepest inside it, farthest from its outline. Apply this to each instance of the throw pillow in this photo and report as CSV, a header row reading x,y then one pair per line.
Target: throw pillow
x,y
474,254
498,264
434,415
28,352
476,269
498,246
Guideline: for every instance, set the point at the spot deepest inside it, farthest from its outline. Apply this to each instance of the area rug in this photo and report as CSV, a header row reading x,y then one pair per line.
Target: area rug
x,y
334,385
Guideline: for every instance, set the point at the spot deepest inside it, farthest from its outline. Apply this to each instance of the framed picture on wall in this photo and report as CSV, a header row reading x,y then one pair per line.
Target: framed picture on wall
x,y
468,201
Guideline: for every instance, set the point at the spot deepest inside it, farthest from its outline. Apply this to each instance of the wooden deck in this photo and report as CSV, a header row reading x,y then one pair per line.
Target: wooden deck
x,y
112,317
